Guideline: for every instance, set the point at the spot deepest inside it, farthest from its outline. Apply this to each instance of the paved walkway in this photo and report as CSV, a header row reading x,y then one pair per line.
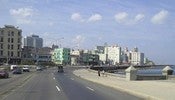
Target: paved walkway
x,y
150,90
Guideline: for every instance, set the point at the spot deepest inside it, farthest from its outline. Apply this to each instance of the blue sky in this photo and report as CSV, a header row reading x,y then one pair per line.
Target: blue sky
x,y
147,24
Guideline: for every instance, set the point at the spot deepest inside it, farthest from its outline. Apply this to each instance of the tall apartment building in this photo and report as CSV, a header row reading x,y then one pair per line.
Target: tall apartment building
x,y
113,54
33,41
137,58
133,57
10,44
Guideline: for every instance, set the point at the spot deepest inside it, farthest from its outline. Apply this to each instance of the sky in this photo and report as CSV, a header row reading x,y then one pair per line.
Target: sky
x,y
84,24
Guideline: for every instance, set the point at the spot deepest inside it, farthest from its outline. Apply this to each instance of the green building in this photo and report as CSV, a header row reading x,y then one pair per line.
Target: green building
x,y
90,59
61,56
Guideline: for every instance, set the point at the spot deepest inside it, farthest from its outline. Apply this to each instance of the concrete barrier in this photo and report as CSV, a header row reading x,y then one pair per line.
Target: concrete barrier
x,y
151,77
131,73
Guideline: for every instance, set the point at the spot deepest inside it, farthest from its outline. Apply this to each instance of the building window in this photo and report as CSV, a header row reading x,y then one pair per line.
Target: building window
x,y
9,40
8,33
18,46
8,46
1,39
18,54
1,46
11,53
19,33
12,47
12,33
8,53
19,40
12,40
1,53
2,32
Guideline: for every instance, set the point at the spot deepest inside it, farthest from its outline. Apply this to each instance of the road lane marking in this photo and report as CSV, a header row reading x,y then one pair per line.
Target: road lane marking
x,y
72,78
54,78
65,74
58,88
90,88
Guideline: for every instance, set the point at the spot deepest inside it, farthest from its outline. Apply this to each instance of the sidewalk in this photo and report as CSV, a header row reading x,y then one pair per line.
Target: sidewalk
x,y
150,90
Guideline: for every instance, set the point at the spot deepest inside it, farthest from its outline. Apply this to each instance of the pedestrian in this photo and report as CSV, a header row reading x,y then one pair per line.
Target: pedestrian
x,y
98,72
103,72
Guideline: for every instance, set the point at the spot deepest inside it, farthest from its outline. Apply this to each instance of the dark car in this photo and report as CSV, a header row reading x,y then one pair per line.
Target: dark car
x,y
60,69
17,71
4,74
26,69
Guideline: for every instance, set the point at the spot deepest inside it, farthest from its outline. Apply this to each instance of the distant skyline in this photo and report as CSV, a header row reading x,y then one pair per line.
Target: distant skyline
x,y
147,24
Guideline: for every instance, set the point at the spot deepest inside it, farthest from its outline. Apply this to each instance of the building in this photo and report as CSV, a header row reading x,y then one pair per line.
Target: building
x,y
76,57
90,59
33,41
43,55
61,56
36,55
137,58
100,49
113,54
27,54
10,44
102,58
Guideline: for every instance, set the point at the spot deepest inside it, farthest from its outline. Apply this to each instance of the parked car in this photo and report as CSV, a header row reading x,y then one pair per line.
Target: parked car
x,y
4,74
17,71
39,68
26,69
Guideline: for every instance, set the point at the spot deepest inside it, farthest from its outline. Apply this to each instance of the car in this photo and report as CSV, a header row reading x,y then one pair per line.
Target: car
x,y
26,69
60,69
17,71
38,68
4,74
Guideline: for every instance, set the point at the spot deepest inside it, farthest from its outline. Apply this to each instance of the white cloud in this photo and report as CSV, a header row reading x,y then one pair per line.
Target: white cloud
x,y
95,17
22,12
77,17
160,17
22,15
121,17
139,17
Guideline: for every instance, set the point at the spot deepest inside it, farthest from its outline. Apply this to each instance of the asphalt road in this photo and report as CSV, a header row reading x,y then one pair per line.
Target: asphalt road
x,y
50,85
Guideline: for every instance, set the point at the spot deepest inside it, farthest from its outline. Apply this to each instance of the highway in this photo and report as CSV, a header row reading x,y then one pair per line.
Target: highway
x,y
51,85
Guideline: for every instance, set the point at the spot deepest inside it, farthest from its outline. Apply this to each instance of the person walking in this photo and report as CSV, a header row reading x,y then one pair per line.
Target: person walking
x,y
98,72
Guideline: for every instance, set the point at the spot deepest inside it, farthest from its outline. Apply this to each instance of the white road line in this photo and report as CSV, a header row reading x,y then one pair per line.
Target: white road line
x,y
90,88
54,78
58,88
72,78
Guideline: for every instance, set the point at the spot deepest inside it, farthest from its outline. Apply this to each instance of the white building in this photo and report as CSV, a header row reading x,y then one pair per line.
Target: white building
x,y
113,54
103,58
137,58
